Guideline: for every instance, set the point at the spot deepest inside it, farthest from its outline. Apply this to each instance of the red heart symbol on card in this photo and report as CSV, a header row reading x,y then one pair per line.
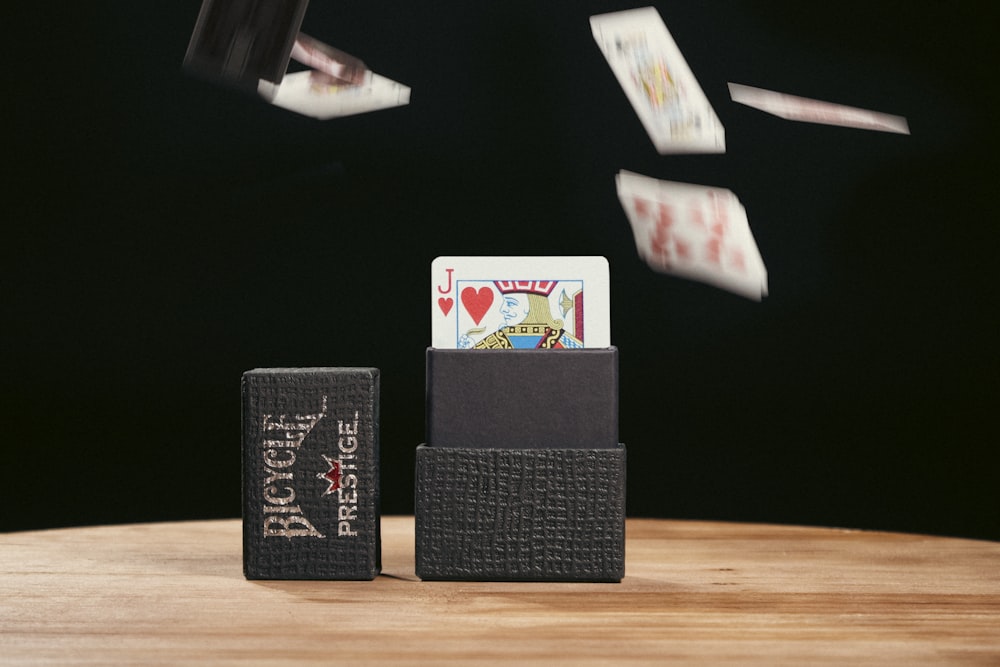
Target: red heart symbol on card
x,y
477,302
445,305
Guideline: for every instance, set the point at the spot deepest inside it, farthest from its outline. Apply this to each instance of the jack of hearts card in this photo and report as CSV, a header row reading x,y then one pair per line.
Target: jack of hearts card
x,y
520,303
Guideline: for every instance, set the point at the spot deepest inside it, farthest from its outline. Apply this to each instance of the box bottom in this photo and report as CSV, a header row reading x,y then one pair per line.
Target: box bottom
x,y
520,514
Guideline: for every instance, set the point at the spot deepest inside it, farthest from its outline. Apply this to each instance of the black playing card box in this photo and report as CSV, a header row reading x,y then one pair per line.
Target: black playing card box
x,y
240,42
522,477
310,473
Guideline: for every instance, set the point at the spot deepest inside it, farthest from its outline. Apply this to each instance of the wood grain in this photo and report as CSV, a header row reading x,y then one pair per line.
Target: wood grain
x,y
694,592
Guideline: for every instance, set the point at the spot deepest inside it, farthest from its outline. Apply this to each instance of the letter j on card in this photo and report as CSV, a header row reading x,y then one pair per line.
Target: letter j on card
x,y
520,303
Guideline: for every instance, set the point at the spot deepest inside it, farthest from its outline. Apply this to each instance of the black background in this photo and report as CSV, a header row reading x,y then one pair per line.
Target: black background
x,y
163,235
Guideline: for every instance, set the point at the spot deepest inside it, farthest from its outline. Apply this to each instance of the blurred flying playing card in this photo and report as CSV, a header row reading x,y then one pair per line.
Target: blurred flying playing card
x,y
693,231
315,95
338,85
248,44
807,110
520,303
658,82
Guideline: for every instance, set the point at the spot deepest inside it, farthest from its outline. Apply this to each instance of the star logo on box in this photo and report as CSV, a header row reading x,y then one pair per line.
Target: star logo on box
x,y
331,476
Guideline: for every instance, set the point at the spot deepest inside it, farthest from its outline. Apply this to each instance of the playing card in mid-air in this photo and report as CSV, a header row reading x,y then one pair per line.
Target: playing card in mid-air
x,y
693,231
658,82
248,44
337,85
792,107
520,303
312,94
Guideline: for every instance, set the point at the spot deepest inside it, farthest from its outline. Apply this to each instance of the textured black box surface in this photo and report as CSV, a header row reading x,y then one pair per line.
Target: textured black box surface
x,y
310,473
520,514
566,399
239,42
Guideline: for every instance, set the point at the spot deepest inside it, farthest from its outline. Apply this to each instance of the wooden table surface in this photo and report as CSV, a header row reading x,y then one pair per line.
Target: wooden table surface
x,y
694,592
